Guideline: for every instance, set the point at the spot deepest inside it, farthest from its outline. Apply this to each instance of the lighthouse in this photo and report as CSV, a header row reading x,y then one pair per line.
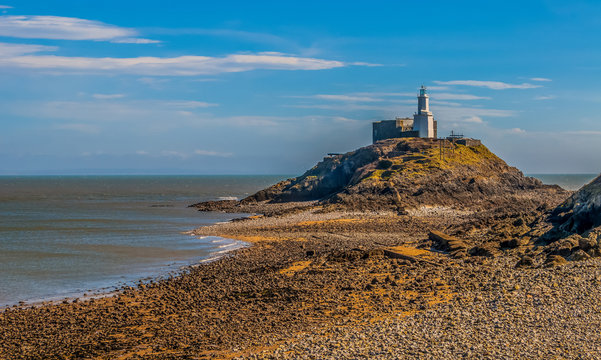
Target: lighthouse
x,y
423,120
422,125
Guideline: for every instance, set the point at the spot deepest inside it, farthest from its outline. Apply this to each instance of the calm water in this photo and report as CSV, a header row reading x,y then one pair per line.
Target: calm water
x,y
566,181
64,236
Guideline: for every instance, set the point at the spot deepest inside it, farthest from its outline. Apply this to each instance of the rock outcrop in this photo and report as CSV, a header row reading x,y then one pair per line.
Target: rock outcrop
x,y
582,211
405,173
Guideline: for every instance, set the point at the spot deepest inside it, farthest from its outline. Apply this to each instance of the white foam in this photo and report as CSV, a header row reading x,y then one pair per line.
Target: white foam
x,y
228,198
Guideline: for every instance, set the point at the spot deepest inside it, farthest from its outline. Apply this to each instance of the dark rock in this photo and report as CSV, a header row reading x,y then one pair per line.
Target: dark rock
x,y
582,211
373,253
486,251
555,260
579,255
510,244
310,253
587,244
525,261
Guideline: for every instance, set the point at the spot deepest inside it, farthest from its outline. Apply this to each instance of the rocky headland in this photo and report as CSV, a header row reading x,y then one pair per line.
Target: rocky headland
x,y
401,249
395,174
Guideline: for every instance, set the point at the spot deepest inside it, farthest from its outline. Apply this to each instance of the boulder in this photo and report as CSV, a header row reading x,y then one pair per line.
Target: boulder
x,y
555,260
579,255
525,261
587,243
581,212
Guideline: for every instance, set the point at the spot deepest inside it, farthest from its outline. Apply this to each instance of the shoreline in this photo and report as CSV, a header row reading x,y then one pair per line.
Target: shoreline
x,y
310,280
161,272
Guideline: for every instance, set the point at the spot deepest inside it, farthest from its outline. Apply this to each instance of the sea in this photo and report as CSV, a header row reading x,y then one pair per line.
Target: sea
x,y
66,236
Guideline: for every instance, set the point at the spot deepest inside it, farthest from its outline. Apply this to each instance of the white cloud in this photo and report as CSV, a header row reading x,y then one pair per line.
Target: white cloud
x,y
473,119
172,153
346,98
135,41
65,28
342,119
385,94
107,96
382,96
161,66
460,114
9,50
190,104
211,153
545,97
5,7
540,79
495,85
517,131
449,96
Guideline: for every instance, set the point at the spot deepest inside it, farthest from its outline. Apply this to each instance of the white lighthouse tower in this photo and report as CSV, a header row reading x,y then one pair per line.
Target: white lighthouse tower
x,y
423,120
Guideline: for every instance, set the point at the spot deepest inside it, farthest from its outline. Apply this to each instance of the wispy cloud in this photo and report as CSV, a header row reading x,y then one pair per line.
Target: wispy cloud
x,y
540,79
164,66
384,96
66,28
212,153
9,50
135,41
5,7
108,96
473,119
190,104
449,96
494,85
340,97
545,97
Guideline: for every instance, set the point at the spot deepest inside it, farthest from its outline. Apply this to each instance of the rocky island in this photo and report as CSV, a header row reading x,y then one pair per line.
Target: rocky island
x,y
408,248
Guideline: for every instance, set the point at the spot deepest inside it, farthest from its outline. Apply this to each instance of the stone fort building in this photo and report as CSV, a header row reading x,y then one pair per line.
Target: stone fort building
x,y
422,125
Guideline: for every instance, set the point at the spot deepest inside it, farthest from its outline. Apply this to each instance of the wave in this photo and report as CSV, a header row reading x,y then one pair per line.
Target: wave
x,y
228,198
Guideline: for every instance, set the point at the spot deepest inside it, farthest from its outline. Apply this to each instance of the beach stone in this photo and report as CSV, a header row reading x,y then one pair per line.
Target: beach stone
x,y
579,255
555,260
509,244
373,253
586,243
486,251
525,261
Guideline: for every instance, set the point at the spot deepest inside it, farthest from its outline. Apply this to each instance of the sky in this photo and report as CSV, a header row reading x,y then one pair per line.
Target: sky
x,y
271,87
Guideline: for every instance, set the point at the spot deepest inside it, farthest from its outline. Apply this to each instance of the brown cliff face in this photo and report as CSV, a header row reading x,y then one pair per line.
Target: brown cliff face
x,y
399,173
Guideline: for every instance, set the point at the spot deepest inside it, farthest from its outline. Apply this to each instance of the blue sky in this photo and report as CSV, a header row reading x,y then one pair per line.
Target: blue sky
x,y
271,87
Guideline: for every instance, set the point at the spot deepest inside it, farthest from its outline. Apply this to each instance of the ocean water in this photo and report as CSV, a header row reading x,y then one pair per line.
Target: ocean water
x,y
65,236
566,181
